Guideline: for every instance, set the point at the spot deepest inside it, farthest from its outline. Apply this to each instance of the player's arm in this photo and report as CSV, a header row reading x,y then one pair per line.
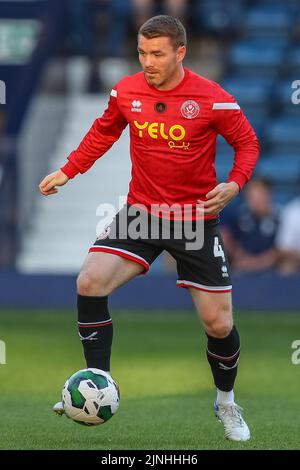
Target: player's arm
x,y
104,132
229,121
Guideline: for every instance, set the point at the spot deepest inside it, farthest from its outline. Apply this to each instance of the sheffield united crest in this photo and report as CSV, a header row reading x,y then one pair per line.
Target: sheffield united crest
x,y
190,109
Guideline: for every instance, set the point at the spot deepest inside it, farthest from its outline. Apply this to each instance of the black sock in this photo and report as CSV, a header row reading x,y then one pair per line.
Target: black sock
x,y
223,356
95,330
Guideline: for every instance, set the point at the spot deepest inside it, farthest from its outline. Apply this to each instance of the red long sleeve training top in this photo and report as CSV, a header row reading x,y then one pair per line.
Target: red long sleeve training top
x,y
172,138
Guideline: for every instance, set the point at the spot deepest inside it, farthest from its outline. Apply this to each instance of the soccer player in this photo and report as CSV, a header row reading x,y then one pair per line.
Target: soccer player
x,y
174,117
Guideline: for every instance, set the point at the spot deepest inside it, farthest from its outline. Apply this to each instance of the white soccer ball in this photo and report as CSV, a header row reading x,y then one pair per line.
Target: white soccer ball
x,y
90,397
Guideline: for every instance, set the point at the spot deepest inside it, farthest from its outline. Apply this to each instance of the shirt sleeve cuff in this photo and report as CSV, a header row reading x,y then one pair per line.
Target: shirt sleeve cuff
x,y
70,170
238,178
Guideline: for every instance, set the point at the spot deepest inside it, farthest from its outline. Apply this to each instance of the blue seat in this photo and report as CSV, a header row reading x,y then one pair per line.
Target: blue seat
x,y
258,58
282,194
268,21
292,4
283,135
249,90
293,62
280,169
256,114
220,16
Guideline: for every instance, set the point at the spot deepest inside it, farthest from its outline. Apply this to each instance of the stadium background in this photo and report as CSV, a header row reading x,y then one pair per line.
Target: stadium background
x,y
58,61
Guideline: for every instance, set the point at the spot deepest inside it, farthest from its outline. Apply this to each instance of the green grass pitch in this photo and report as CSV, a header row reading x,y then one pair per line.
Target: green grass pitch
x,y
166,387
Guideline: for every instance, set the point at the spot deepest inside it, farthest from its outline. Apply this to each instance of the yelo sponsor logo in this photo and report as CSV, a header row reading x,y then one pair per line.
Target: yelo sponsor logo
x,y
176,132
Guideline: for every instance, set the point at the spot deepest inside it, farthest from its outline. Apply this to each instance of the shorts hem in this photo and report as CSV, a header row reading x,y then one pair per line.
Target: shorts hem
x,y
123,253
212,289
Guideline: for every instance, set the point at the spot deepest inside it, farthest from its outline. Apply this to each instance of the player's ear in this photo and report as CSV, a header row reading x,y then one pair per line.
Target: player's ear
x,y
181,51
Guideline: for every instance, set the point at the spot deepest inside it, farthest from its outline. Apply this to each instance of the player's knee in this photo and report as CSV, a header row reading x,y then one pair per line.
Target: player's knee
x,y
220,325
91,284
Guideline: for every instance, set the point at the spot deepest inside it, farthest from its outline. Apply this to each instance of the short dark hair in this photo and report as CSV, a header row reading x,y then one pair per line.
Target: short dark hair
x,y
167,26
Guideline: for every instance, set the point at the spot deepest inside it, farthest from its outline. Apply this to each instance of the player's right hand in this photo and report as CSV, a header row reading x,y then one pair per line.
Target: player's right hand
x,y
48,185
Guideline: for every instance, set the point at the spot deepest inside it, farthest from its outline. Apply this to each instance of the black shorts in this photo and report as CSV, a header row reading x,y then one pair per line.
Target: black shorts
x,y
203,268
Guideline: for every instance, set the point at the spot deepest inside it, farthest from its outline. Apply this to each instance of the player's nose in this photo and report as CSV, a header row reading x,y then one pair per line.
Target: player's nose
x,y
148,62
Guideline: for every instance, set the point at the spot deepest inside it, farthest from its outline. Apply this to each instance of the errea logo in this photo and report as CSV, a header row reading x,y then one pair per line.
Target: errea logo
x,y
136,106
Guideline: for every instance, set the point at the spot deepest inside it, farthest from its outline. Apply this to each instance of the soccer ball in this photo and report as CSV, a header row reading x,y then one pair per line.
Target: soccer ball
x,y
90,397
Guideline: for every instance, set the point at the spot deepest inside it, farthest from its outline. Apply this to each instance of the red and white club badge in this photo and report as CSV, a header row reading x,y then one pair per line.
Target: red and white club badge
x,y
190,109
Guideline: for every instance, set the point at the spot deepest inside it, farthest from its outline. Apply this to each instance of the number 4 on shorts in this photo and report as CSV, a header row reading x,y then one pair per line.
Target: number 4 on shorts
x,y
218,250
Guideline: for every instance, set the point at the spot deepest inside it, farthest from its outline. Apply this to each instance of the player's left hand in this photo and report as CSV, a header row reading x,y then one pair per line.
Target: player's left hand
x,y
219,197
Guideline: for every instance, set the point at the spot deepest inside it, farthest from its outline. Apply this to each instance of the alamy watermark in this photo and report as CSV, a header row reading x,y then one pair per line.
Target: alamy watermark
x,y
296,354
157,222
2,352
296,94
2,92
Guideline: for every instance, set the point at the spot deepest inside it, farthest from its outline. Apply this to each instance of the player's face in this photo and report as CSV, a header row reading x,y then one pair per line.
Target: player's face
x,y
159,60
258,198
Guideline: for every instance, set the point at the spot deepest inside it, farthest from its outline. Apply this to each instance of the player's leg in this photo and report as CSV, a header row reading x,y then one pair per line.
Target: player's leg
x,y
104,272
223,350
223,343
205,272
101,274
115,258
